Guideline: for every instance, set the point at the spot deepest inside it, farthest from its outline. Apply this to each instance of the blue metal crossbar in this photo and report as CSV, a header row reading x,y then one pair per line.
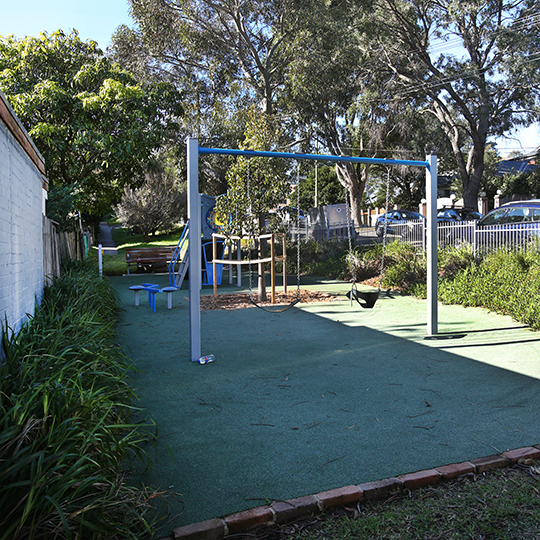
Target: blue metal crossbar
x,y
314,157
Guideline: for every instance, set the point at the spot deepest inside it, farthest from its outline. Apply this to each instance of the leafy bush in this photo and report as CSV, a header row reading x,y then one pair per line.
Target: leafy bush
x,y
364,263
404,268
319,258
158,205
505,282
65,429
454,259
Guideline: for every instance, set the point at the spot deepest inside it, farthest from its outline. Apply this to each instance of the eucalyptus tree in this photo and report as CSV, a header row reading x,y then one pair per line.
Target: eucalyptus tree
x,y
214,43
348,106
476,62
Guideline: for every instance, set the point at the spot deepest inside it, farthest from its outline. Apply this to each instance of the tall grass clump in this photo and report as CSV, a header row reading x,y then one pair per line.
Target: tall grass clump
x,y
404,266
66,437
405,269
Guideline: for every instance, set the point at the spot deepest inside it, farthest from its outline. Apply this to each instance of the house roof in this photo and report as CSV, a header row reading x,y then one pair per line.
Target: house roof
x,y
519,164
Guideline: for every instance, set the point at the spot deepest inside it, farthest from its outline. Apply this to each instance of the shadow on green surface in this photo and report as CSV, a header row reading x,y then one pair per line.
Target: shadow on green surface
x,y
321,396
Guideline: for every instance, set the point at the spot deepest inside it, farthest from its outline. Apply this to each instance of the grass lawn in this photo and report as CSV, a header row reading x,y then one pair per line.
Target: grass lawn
x,y
501,504
115,265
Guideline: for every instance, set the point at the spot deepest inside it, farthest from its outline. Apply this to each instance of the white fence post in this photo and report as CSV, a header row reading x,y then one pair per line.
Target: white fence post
x,y
100,260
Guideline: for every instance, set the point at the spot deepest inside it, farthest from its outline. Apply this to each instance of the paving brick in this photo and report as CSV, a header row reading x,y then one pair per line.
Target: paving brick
x,y
380,489
420,479
242,521
456,469
212,529
294,508
528,452
490,462
340,497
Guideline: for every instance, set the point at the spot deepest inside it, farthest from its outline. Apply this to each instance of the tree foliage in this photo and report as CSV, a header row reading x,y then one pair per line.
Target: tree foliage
x,y
475,63
329,190
95,125
255,185
351,77
213,43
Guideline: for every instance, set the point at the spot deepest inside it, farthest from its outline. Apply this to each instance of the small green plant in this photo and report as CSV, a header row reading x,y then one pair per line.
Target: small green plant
x,y
405,268
66,437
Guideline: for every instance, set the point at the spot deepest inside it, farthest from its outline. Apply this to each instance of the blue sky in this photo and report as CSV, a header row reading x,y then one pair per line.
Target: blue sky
x,y
94,19
98,19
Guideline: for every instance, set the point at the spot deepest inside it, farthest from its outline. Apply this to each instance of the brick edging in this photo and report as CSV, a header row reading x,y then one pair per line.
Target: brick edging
x,y
284,511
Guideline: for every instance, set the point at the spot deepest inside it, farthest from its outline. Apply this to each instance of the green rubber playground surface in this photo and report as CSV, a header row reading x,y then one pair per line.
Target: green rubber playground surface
x,y
324,395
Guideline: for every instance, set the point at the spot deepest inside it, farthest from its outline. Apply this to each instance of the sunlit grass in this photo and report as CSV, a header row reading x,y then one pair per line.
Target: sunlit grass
x,y
498,505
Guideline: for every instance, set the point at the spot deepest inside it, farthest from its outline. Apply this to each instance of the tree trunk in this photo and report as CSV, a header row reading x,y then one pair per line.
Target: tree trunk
x,y
353,178
471,169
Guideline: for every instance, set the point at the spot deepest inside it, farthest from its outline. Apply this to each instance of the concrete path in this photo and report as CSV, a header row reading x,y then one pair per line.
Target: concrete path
x,y
106,240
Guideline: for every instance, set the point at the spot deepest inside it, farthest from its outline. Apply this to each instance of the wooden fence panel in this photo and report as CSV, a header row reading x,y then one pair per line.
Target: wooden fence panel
x,y
51,252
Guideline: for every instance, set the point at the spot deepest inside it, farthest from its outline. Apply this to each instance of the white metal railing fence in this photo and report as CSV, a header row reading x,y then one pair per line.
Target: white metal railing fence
x,y
509,236
485,239
413,232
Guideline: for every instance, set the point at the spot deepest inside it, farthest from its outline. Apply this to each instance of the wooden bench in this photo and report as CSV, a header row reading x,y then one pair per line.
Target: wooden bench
x,y
153,257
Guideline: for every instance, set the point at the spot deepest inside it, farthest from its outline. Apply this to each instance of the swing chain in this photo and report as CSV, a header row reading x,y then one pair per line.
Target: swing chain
x,y
349,227
385,229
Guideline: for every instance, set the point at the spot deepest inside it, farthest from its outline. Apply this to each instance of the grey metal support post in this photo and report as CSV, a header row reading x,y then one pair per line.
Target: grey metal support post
x,y
431,197
194,238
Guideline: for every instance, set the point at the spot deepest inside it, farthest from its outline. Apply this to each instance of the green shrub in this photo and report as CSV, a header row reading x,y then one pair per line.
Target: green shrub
x,y
364,263
326,258
504,281
451,260
404,268
65,432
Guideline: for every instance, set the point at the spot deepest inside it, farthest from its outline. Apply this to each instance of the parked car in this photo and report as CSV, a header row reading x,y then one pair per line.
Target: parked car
x,y
454,215
513,223
396,217
288,213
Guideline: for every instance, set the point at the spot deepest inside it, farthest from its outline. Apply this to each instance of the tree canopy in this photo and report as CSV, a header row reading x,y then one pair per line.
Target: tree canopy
x,y
95,124
255,185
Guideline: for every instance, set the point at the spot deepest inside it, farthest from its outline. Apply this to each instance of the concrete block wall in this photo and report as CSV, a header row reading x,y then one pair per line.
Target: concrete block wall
x,y
21,224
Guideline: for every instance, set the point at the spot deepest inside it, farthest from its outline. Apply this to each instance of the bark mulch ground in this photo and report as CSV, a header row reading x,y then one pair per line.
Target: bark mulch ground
x,y
241,300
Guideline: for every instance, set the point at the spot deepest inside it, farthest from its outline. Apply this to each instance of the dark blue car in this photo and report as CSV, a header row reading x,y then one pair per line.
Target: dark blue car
x,y
453,215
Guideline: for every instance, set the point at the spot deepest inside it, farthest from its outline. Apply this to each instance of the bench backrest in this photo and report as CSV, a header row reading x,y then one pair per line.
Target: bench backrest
x,y
160,253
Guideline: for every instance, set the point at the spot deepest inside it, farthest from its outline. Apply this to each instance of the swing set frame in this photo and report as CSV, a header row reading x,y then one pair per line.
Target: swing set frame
x,y
195,228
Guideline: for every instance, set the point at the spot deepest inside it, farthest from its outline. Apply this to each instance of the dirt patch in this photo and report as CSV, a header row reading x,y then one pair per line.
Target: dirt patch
x,y
241,300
